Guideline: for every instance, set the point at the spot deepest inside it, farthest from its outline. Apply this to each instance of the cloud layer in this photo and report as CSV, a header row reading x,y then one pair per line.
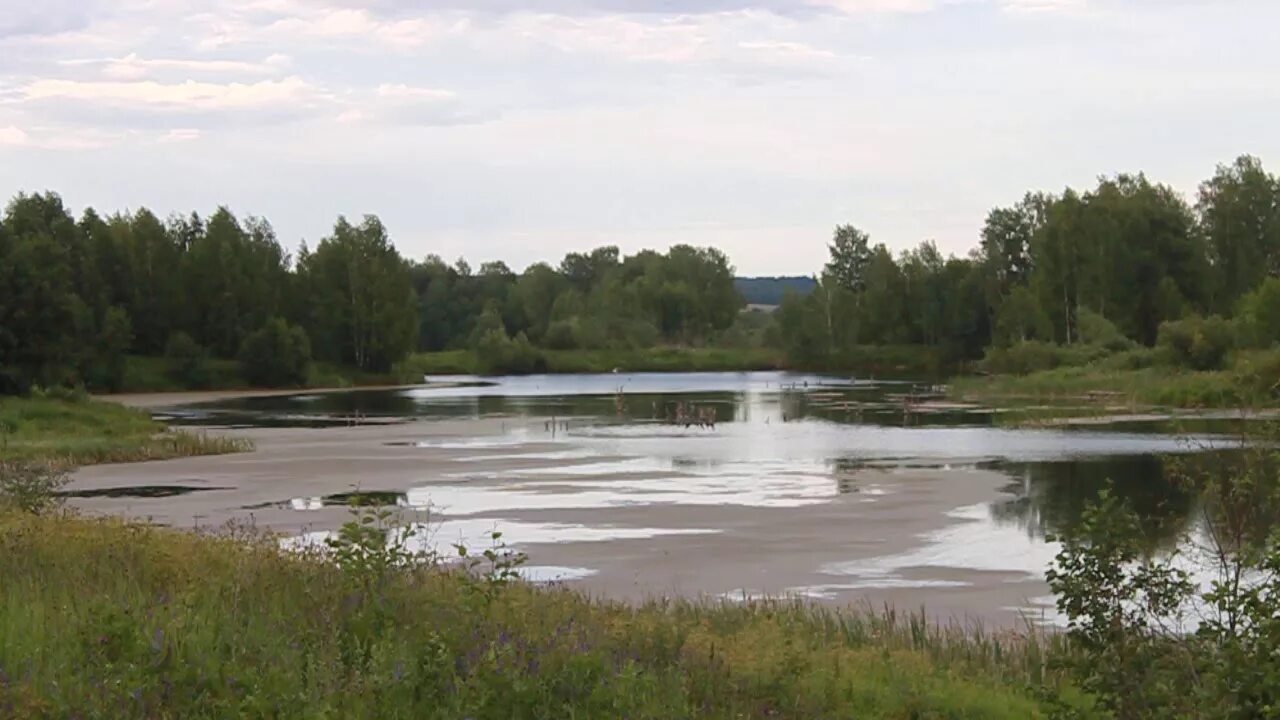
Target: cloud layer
x,y
487,129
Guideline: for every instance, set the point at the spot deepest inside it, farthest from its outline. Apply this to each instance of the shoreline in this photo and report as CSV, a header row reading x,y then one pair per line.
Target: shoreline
x,y
593,513
157,400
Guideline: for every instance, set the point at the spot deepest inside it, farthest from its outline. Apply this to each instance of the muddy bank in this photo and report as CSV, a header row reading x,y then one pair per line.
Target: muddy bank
x,y
625,526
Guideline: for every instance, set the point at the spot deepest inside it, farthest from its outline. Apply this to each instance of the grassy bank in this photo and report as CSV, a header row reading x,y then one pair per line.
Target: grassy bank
x,y
145,374
661,359
1137,377
99,618
71,431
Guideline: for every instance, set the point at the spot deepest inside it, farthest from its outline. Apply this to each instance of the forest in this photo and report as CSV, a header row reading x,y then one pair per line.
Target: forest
x,y
1126,265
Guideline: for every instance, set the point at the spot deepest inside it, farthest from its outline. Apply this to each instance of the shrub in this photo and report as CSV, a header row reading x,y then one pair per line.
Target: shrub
x,y
498,353
1095,329
186,362
1196,342
31,487
1025,358
277,355
1259,316
1258,372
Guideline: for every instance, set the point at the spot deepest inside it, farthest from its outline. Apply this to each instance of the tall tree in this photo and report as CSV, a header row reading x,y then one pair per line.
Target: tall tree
x,y
364,311
1239,211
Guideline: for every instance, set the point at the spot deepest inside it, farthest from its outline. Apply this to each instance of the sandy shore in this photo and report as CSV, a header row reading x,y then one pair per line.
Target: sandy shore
x,y
635,532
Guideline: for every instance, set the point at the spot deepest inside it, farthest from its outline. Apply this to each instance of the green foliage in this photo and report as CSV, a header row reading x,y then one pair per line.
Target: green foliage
x,y
1033,356
361,301
277,355
1098,331
66,429
1196,342
102,618
31,487
1114,596
187,364
1124,608
1258,316
1020,319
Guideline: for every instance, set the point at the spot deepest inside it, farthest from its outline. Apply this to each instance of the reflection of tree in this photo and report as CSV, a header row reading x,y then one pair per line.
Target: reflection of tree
x,y
1051,496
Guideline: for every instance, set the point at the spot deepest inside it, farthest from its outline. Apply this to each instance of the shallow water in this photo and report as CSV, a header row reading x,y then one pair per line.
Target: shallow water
x,y
597,459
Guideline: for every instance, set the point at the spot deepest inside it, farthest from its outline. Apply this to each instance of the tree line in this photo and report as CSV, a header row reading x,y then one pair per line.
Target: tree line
x,y
1114,263
78,296
1121,263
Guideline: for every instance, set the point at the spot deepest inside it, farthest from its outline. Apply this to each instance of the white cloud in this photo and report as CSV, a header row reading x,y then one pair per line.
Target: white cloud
x,y
134,67
876,6
178,135
405,92
346,23
788,50
13,136
1036,6
188,95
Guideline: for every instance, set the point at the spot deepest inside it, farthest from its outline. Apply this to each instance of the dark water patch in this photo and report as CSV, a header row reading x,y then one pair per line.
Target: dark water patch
x,y
138,491
348,499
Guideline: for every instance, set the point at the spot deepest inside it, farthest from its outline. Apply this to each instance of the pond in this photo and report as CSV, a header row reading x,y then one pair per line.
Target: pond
x,y
726,485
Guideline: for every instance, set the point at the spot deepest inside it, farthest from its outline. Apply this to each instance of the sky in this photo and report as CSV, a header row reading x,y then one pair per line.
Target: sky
x,y
496,129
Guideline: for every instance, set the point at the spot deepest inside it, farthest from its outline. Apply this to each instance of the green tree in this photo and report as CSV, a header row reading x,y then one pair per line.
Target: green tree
x,y
276,355
363,308
1239,212
851,254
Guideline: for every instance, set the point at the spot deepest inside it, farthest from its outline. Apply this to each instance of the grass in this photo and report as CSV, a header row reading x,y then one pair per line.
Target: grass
x,y
1249,380
660,359
70,432
103,618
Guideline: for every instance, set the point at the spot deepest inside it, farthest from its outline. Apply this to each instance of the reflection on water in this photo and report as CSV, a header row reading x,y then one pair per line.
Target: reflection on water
x,y
598,442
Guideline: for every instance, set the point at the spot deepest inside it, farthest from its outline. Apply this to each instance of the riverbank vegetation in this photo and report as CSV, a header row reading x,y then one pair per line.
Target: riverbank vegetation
x,y
1082,278
104,618
66,429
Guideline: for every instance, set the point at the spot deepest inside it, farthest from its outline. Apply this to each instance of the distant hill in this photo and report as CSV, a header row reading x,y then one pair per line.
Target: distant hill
x,y
771,290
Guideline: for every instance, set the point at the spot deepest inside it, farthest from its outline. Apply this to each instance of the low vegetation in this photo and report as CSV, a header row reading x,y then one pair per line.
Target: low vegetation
x,y
68,429
661,359
103,618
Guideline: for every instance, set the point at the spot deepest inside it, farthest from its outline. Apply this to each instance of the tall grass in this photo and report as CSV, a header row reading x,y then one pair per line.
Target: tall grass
x,y
102,618
69,431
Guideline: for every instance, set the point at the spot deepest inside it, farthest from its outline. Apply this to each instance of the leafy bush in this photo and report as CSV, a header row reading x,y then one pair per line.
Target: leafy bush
x,y
31,487
1095,329
497,353
1257,372
277,355
1033,356
1259,316
186,361
1196,342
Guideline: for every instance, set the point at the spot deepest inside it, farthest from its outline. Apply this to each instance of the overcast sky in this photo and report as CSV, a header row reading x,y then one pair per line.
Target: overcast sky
x,y
498,129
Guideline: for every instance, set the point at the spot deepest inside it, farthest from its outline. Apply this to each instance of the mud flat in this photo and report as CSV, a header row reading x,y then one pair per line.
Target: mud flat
x,y
621,525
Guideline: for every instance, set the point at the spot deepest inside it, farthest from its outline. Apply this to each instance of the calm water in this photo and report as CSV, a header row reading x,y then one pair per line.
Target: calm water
x,y
778,421
779,441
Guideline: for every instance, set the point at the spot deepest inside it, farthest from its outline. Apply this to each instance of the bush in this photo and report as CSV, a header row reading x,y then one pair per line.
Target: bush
x,y
1258,373
186,362
497,353
1197,343
1259,316
1096,329
277,355
1025,358
31,487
